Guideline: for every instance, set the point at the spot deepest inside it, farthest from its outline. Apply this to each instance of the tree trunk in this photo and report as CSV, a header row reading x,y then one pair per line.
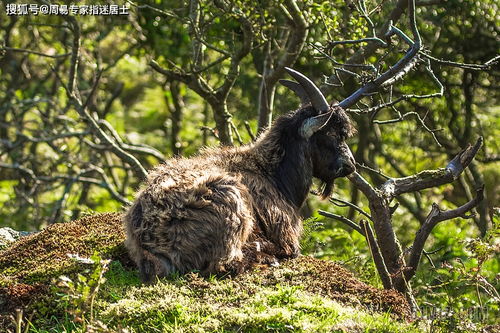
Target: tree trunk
x,y
266,94
177,101
266,102
222,122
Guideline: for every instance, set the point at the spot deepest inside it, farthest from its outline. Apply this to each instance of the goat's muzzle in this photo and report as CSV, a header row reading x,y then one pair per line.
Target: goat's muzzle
x,y
346,163
346,167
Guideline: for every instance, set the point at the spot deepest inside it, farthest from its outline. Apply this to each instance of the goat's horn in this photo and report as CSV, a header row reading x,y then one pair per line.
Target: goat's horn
x,y
298,90
314,124
318,101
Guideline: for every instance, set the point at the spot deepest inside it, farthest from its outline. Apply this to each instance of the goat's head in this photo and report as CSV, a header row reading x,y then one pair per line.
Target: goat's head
x,y
325,129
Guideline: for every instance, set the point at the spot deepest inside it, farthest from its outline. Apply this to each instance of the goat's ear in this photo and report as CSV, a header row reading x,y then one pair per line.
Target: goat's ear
x,y
298,90
313,124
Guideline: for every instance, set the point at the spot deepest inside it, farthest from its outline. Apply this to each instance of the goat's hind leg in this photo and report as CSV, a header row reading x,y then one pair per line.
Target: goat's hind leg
x,y
152,266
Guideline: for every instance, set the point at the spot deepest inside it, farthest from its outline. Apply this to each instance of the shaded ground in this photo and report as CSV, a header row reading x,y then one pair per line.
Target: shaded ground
x,y
29,267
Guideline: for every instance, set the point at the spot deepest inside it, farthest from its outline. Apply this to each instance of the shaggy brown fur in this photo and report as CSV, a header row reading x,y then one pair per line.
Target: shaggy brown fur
x,y
227,208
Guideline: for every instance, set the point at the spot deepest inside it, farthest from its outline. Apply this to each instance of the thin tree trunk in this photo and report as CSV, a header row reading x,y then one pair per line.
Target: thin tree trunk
x,y
205,123
266,105
222,122
266,94
177,101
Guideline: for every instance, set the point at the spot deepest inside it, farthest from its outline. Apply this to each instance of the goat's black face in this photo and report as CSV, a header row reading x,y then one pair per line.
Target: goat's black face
x,y
325,128
330,154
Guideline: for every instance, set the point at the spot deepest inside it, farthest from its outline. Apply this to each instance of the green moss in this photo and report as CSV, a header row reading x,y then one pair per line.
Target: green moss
x,y
29,267
43,256
304,294
432,173
171,306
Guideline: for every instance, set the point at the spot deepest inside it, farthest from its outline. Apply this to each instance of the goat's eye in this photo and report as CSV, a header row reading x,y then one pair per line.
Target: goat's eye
x,y
330,133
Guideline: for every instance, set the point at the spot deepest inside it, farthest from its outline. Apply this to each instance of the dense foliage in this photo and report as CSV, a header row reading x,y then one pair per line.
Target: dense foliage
x,y
221,62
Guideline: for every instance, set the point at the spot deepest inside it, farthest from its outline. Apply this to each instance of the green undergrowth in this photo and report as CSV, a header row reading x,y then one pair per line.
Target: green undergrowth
x,y
194,304
76,277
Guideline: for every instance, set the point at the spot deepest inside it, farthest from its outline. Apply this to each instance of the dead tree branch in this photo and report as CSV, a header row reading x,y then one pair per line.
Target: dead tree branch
x,y
394,73
371,48
435,216
432,178
376,255
342,219
53,56
381,213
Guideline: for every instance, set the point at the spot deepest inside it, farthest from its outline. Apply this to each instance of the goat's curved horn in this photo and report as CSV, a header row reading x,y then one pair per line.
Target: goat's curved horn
x,y
318,101
298,90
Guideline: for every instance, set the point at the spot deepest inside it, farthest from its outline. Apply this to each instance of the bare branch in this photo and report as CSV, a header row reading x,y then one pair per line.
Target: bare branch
x,y
117,91
94,181
273,70
236,58
75,54
176,75
249,130
402,116
395,72
476,67
432,178
364,186
211,130
391,103
52,138
343,203
19,167
84,113
332,44
372,47
54,56
237,133
104,183
435,216
490,159
134,148
95,84
157,10
217,98
342,219
346,64
378,172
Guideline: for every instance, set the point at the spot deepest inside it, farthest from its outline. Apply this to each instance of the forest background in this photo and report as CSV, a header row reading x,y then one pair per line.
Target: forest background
x,y
88,103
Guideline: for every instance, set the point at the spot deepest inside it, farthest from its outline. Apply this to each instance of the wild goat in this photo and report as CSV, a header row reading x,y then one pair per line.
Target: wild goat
x,y
227,208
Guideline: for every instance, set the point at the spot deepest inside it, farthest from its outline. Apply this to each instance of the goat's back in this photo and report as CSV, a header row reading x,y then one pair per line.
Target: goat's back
x,y
191,215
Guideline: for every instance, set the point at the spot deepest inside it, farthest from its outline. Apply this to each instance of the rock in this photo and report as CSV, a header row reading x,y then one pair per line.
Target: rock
x,y
7,236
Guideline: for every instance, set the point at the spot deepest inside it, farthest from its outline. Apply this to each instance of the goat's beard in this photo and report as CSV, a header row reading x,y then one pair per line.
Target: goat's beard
x,y
326,189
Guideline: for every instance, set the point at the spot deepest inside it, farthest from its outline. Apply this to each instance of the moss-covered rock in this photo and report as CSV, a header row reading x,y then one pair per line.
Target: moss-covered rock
x,y
302,294
28,266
